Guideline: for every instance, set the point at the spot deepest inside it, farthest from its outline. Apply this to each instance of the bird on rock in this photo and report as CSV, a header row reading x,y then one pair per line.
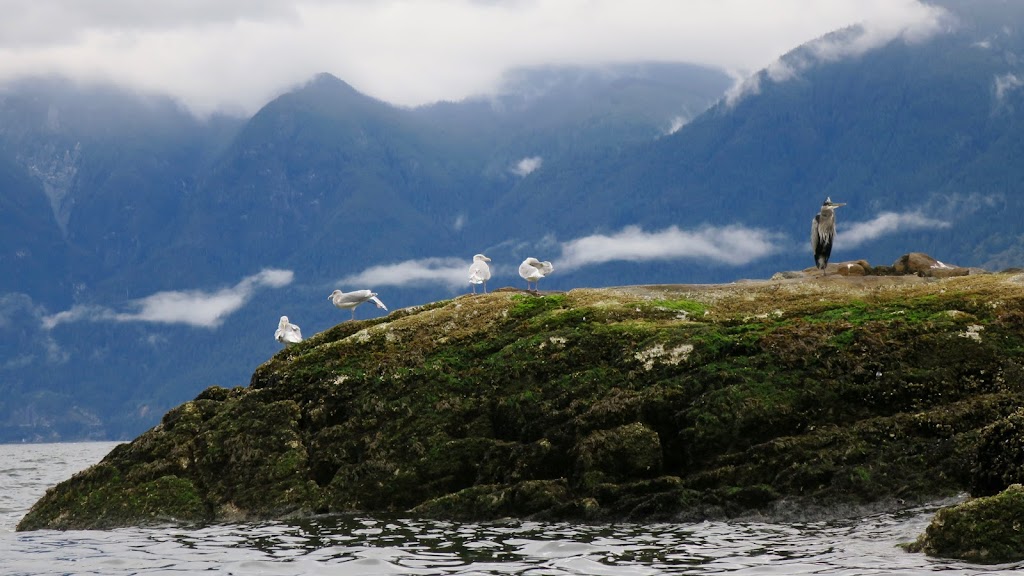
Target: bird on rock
x,y
532,270
349,300
479,272
287,333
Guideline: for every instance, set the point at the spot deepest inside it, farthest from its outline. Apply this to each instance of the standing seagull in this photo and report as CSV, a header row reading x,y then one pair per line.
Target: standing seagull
x,y
532,270
349,300
287,333
479,272
823,232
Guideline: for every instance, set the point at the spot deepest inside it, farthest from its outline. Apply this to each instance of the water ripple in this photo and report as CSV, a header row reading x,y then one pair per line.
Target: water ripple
x,y
356,545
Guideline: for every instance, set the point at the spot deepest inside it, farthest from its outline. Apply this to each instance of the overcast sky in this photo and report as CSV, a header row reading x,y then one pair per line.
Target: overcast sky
x,y
238,54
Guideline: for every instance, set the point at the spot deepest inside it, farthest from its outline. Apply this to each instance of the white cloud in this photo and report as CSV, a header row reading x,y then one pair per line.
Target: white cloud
x,y
1006,83
239,53
907,21
527,166
192,307
731,245
676,124
853,235
450,272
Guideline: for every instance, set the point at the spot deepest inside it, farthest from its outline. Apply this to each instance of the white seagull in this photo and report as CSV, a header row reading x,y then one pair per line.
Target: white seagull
x,y
479,272
532,270
349,300
287,333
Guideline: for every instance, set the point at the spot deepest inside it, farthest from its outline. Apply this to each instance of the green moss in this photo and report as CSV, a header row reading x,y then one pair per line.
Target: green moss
x,y
526,305
692,308
988,530
597,404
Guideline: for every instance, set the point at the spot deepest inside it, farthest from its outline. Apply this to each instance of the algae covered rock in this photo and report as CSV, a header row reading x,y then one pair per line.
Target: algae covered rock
x,y
642,402
1000,455
986,530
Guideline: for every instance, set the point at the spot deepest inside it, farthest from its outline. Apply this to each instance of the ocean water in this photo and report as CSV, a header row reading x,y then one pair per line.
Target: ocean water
x,y
360,545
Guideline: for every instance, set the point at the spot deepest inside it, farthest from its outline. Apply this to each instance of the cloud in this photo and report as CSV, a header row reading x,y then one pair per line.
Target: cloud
x,y
21,317
191,307
853,235
450,272
731,245
526,166
676,124
237,54
907,21
1006,83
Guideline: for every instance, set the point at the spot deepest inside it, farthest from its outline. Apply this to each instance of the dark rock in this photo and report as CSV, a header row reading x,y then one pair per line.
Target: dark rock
x,y
987,530
1000,456
652,402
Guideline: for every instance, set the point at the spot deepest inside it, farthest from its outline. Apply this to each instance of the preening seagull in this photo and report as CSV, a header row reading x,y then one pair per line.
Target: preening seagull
x,y
823,232
287,333
479,272
532,270
349,300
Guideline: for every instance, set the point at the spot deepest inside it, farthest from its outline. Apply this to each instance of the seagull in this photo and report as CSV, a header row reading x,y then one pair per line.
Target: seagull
x,y
532,270
479,272
287,333
354,298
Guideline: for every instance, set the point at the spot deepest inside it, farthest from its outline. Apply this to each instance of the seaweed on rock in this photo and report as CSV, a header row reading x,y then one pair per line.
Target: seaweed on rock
x,y
646,402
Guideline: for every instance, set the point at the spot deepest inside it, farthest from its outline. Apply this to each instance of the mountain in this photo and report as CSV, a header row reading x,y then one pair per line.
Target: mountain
x,y
144,217
164,248
924,129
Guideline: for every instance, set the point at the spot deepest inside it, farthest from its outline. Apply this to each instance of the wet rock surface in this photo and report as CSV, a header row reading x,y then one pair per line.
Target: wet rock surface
x,y
641,402
988,530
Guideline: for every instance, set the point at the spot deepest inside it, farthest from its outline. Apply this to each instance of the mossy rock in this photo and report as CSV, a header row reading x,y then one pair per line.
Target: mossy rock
x,y
987,530
622,453
1000,456
641,402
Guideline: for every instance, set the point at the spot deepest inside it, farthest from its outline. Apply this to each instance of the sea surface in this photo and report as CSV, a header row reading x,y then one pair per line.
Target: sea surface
x,y
342,546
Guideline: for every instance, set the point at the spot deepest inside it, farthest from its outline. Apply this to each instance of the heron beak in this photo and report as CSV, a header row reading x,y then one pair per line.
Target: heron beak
x,y
838,204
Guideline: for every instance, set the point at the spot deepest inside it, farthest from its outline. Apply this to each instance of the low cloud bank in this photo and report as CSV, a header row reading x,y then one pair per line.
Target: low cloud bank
x,y
910,22
191,307
451,272
857,233
732,245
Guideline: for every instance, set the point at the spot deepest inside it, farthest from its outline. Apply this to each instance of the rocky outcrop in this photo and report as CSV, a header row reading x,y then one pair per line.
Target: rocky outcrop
x,y
644,403
988,530
924,265
911,264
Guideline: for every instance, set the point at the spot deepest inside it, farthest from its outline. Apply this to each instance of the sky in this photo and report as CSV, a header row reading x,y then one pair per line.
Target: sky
x,y
235,55
732,245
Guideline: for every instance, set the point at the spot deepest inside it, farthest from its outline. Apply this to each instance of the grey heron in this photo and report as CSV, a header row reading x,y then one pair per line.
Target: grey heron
x,y
823,232
349,300
479,272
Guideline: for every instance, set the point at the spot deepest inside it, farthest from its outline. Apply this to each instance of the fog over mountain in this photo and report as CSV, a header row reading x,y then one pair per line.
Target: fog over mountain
x,y
151,252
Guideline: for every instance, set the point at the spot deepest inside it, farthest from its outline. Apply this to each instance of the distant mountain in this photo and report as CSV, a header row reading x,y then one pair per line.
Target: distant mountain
x,y
124,215
127,197
923,128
